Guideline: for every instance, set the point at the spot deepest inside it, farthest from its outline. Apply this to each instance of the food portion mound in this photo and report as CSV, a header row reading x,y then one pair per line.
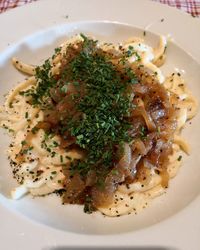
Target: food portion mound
x,y
118,117
103,121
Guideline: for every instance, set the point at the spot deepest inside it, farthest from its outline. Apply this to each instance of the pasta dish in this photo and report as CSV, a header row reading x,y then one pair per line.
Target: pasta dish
x,y
99,124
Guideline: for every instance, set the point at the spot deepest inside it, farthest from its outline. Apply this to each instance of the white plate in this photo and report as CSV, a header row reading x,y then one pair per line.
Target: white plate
x,y
44,223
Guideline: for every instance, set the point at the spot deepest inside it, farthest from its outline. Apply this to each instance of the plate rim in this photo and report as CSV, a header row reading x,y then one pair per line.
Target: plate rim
x,y
71,236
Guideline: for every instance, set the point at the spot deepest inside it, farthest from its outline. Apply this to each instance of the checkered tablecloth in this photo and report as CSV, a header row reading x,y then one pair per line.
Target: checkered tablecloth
x,y
190,6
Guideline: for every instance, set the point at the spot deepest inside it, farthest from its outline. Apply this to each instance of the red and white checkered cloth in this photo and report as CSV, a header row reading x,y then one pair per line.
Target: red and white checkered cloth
x,y
9,4
190,6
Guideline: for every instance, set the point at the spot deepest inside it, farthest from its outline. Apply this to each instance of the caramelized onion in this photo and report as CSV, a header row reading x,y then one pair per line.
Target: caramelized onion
x,y
75,186
125,161
153,122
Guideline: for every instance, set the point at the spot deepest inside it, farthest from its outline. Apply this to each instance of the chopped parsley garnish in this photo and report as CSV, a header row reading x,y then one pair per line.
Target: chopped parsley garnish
x,y
23,143
34,130
53,154
143,132
88,208
104,108
130,52
61,158
179,158
25,151
45,81
55,144
57,50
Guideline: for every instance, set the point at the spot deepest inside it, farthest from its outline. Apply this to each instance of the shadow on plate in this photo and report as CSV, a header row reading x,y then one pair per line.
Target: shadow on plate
x,y
111,248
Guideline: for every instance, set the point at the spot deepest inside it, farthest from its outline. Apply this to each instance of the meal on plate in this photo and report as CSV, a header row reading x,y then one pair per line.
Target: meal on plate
x,y
99,124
